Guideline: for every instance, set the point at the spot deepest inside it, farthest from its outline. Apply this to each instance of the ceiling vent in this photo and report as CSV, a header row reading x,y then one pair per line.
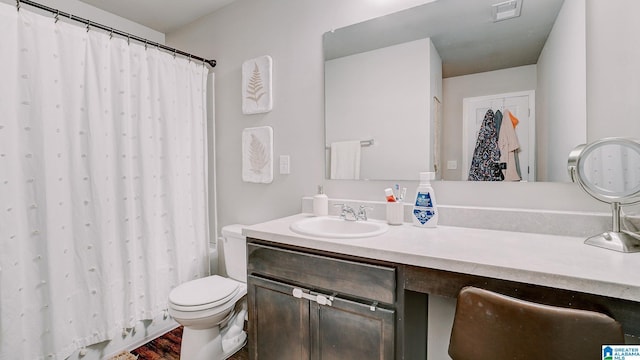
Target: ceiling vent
x,y
506,10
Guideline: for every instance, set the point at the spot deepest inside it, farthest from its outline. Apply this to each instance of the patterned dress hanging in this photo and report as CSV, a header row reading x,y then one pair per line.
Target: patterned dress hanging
x,y
485,164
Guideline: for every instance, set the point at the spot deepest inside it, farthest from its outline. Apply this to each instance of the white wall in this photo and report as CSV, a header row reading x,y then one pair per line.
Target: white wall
x,y
441,311
613,68
455,89
361,109
435,111
561,99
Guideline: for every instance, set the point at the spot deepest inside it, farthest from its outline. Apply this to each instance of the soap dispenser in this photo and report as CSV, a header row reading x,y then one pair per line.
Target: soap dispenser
x,y
320,203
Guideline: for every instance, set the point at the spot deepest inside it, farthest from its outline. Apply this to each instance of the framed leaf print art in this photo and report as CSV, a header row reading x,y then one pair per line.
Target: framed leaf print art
x,y
257,155
256,85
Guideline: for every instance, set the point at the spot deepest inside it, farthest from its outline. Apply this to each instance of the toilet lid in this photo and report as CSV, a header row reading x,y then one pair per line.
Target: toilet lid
x,y
213,290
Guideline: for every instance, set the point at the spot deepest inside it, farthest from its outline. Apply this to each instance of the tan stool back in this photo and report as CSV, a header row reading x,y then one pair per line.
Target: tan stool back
x,y
491,326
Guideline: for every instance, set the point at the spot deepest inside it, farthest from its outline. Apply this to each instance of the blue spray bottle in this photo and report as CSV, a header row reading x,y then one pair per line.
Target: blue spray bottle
x,y
425,213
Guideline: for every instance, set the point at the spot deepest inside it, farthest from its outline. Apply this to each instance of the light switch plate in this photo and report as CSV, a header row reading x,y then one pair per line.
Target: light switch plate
x,y
452,165
285,164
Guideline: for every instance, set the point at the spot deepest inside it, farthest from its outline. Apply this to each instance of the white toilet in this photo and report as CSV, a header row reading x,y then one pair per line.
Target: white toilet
x,y
205,307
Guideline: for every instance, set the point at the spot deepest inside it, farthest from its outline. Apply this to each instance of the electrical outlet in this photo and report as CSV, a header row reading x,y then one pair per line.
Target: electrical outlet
x,y
452,165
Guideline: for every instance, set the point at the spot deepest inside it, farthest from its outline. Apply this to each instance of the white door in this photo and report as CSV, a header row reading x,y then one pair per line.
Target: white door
x,y
522,107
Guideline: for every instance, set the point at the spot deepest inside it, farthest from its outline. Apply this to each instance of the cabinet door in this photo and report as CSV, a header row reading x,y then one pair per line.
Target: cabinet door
x,y
352,330
278,322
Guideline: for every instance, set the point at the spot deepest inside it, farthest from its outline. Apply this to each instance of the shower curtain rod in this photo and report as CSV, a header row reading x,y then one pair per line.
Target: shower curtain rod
x,y
112,31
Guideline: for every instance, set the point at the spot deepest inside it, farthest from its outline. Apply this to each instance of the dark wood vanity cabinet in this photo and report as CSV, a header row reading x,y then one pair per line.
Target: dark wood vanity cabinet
x,y
278,322
311,306
314,304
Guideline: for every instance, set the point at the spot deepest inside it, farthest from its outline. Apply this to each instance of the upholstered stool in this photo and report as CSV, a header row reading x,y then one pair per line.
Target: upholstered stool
x,y
491,326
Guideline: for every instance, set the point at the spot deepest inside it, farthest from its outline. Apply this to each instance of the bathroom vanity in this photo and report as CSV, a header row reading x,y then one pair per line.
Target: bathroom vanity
x,y
324,298
310,306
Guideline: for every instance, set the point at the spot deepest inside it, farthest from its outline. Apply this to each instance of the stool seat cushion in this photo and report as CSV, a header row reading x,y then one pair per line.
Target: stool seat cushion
x,y
493,326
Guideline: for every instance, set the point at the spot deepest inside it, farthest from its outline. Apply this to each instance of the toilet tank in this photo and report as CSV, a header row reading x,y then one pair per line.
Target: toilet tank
x,y
234,249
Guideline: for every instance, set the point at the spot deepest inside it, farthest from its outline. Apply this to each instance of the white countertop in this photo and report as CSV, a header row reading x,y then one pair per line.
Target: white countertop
x,y
556,261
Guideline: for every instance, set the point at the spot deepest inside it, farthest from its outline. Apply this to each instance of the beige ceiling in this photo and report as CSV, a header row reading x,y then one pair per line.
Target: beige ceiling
x,y
160,15
463,32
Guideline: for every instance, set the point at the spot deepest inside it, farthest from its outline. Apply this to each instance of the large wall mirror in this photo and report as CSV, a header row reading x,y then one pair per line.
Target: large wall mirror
x,y
409,91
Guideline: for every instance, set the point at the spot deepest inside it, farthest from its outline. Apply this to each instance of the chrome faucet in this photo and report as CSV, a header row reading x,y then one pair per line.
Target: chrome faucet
x,y
345,210
349,214
362,213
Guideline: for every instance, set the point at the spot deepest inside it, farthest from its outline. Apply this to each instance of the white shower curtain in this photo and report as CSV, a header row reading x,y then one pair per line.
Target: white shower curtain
x,y
103,203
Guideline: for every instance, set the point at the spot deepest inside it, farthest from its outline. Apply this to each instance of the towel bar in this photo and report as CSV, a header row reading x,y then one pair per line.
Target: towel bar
x,y
362,143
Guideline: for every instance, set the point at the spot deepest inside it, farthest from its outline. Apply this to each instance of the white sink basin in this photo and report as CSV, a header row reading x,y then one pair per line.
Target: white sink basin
x,y
336,228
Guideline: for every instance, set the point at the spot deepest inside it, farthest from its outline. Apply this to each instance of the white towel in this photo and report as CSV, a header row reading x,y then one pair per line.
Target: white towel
x,y
345,160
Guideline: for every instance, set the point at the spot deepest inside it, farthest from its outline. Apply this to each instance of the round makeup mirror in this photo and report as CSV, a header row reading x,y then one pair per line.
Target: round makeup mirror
x,y
609,170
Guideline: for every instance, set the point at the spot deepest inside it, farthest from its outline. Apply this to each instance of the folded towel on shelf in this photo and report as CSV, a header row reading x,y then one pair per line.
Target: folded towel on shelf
x,y
345,160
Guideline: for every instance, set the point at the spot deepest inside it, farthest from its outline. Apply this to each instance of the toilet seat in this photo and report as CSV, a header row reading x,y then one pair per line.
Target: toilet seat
x,y
205,293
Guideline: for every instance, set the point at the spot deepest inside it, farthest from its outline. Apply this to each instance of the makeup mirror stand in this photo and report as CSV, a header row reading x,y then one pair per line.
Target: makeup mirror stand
x,y
616,239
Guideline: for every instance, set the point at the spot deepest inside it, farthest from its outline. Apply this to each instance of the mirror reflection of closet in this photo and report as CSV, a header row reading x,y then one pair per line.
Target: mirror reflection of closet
x,y
516,109
542,50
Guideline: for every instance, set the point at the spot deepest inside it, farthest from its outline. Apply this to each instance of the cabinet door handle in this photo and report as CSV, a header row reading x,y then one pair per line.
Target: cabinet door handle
x,y
320,299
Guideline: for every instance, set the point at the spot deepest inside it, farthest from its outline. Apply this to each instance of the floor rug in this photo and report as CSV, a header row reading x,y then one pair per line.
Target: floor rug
x,y
125,355
167,347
